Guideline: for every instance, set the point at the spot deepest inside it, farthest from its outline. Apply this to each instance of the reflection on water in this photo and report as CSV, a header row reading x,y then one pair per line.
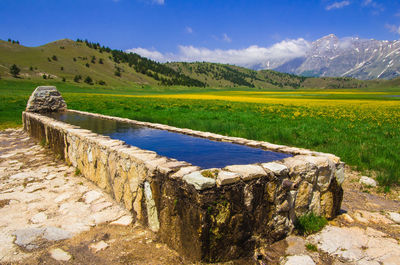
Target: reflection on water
x,y
195,150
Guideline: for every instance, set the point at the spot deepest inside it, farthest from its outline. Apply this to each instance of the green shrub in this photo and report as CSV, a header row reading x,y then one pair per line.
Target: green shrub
x,y
310,223
311,247
117,72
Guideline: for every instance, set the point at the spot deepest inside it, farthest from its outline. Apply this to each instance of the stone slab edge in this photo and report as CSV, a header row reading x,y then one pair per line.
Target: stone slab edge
x,y
216,137
171,167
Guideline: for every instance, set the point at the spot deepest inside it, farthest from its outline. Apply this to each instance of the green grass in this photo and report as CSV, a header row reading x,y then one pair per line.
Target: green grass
x,y
311,247
363,137
310,223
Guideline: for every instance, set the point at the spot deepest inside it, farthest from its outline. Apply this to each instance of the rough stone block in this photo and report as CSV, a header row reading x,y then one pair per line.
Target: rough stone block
x,y
276,168
248,172
46,99
226,177
199,181
184,171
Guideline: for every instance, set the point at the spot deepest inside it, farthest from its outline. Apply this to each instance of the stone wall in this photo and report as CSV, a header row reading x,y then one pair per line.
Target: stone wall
x,y
208,215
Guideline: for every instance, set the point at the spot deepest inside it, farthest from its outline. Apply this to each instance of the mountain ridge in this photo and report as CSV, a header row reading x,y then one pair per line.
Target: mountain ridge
x,y
87,62
364,59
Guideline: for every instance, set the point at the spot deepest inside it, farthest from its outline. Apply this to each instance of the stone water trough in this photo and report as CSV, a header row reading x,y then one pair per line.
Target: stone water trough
x,y
205,214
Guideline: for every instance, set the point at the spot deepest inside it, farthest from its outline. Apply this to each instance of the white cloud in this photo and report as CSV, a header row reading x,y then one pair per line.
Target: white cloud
x,y
393,28
226,38
154,55
252,56
155,2
375,5
337,5
189,30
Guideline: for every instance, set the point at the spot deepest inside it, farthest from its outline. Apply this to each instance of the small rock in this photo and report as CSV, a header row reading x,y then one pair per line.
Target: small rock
x,y
277,169
96,247
226,177
199,181
248,172
7,156
367,181
299,260
34,187
60,255
100,206
371,217
295,245
108,215
395,217
124,220
51,176
22,175
52,233
62,197
76,227
374,233
184,171
26,238
91,196
367,262
347,218
39,218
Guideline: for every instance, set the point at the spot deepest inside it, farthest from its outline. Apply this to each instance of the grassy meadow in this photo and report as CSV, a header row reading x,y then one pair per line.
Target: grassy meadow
x,y
360,126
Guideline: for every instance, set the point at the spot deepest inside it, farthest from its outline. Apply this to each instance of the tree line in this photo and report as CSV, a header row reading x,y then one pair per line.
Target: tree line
x,y
164,74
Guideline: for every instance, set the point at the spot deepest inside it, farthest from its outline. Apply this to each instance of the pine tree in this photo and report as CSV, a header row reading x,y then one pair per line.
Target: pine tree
x,y
14,70
88,80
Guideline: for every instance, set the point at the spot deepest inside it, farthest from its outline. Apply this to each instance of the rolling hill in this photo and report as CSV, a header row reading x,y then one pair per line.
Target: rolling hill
x,y
74,61
82,61
222,75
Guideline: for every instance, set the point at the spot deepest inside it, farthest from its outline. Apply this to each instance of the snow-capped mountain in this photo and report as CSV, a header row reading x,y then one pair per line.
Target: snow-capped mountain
x,y
353,57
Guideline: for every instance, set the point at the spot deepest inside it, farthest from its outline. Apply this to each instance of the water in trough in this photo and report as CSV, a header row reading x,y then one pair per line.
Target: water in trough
x,y
198,151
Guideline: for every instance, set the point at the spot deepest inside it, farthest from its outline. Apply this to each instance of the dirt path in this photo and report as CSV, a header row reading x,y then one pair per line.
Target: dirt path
x,y
50,215
45,209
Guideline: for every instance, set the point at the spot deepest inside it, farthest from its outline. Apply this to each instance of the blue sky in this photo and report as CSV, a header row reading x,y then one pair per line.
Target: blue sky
x,y
168,27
